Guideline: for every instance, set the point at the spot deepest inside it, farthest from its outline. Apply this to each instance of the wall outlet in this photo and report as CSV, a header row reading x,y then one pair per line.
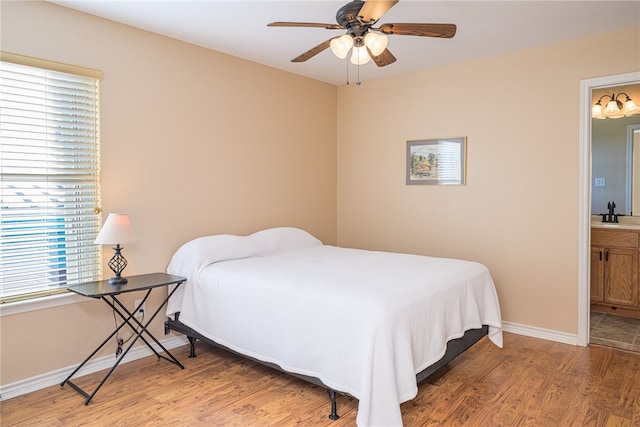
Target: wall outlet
x,y
599,182
141,310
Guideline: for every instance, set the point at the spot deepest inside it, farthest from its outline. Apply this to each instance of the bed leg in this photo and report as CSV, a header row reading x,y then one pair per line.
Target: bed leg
x,y
192,349
334,407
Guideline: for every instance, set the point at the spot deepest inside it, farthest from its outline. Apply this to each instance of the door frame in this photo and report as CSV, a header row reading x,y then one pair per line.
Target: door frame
x,y
629,173
584,193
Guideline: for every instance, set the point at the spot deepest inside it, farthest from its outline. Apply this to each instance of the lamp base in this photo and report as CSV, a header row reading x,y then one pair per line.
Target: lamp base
x,y
118,280
117,263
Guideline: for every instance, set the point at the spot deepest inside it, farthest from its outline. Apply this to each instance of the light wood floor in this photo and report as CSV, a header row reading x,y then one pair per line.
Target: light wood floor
x,y
531,382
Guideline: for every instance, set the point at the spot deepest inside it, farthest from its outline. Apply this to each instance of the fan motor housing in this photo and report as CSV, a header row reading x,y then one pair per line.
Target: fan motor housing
x,y
347,16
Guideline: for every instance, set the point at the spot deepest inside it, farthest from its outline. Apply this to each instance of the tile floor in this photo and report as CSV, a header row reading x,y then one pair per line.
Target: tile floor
x,y
615,331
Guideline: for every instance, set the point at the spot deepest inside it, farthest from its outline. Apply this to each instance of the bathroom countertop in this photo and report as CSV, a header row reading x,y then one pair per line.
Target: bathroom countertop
x,y
624,223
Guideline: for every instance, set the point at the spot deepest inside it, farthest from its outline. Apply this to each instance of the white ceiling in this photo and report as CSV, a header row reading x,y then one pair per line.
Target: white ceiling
x,y
485,28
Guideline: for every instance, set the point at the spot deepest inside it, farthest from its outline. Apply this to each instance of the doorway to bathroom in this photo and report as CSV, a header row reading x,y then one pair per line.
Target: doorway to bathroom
x,y
598,326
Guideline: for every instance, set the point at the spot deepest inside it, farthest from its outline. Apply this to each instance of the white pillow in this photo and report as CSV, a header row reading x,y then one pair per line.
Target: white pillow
x,y
284,239
203,251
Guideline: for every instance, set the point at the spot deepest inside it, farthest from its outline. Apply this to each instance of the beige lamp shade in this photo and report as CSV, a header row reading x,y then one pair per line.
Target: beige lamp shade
x,y
117,230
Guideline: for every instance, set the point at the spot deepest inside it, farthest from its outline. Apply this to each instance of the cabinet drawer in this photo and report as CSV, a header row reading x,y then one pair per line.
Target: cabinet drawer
x,y
614,238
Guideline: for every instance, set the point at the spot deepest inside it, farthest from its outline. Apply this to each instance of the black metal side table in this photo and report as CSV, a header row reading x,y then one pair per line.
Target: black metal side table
x,y
108,293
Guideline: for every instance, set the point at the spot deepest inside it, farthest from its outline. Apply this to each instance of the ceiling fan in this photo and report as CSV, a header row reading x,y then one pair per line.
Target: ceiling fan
x,y
358,18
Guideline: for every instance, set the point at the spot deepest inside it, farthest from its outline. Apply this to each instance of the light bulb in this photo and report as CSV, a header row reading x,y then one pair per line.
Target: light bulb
x,y
359,56
340,46
376,43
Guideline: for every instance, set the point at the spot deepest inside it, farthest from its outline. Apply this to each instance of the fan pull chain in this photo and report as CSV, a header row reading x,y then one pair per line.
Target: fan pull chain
x,y
347,62
358,70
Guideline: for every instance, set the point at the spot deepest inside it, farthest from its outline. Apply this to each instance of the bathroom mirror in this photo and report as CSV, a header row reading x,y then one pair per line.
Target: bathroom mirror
x,y
615,175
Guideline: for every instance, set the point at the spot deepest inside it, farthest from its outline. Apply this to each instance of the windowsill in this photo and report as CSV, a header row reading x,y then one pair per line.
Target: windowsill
x,y
40,303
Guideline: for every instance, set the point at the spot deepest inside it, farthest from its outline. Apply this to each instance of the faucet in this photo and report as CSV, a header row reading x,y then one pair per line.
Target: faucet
x,y
611,216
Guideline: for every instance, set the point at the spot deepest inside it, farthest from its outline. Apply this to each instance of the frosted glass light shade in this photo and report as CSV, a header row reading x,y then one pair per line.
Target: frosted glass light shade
x,y
340,46
376,42
117,230
630,107
359,56
596,112
612,107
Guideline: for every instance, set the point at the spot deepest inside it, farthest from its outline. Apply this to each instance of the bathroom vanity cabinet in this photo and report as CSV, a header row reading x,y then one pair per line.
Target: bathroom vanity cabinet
x,y
615,256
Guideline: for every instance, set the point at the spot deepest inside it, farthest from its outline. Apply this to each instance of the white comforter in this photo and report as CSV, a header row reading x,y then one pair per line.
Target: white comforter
x,y
363,322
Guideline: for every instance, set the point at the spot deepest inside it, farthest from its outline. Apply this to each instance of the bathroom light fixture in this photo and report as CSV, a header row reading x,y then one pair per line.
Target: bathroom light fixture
x,y
614,108
117,230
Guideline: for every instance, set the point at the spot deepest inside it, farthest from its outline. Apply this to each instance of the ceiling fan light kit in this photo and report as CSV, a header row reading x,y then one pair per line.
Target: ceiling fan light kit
x,y
375,43
358,18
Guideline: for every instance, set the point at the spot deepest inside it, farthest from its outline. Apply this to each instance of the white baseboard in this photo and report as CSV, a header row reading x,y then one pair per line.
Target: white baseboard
x,y
48,379
545,334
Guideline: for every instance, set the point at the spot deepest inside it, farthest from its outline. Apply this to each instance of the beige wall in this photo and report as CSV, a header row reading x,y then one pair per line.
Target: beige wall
x,y
258,147
518,213
194,142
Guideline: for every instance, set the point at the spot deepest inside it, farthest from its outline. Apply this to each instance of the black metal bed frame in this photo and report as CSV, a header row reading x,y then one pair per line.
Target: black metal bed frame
x,y
455,347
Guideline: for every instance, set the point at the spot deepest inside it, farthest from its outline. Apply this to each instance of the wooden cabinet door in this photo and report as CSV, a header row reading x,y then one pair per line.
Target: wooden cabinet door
x,y
621,277
597,274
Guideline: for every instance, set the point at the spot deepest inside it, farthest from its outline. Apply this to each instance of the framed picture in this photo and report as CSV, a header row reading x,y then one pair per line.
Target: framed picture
x,y
437,161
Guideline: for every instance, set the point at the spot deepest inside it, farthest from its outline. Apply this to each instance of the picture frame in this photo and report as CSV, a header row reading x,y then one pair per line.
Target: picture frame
x,y
440,161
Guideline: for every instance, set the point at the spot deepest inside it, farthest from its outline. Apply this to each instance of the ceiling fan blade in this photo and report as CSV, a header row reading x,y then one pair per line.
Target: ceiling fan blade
x,y
306,24
313,51
385,58
446,31
372,10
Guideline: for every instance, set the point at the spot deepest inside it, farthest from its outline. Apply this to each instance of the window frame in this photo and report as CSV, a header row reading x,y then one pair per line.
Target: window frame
x,y
36,300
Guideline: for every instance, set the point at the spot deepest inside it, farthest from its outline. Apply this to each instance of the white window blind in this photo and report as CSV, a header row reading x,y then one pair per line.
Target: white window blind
x,y
50,179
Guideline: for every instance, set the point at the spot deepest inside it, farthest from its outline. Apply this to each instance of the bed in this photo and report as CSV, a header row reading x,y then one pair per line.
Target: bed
x,y
366,323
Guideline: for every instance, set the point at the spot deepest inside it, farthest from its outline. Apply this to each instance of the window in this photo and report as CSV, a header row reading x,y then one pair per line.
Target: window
x,y
49,177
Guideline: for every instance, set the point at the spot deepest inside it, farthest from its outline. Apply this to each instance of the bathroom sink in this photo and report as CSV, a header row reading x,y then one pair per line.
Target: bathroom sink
x,y
624,223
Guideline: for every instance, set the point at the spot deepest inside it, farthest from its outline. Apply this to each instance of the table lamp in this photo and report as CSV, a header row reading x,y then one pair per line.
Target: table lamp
x,y
117,230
